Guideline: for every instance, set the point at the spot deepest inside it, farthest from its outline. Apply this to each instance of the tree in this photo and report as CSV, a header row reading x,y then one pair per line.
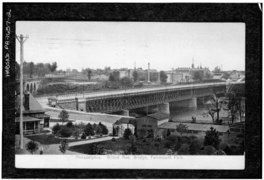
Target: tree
x,y
89,130
96,149
89,74
99,130
69,124
31,69
53,67
195,147
214,107
32,147
114,76
126,82
64,146
135,76
163,77
234,106
217,69
184,149
226,75
212,138
64,115
153,76
104,129
56,128
168,132
83,136
127,133
198,76
208,75
209,150
66,132
76,133
182,128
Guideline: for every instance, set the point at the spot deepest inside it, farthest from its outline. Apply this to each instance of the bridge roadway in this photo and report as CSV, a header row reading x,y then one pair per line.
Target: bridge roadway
x,y
136,91
124,100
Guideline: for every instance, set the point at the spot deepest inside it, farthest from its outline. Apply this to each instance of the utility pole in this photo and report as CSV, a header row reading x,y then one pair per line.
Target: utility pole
x,y
21,39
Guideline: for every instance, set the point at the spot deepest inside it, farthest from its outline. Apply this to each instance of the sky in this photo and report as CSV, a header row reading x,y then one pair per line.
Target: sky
x,y
78,45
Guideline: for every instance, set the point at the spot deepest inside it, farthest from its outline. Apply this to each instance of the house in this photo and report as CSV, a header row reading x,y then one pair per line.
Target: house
x,y
147,126
194,128
120,125
34,117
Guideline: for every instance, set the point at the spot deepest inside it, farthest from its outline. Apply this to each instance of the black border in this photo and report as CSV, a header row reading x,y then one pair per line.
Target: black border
x,y
249,13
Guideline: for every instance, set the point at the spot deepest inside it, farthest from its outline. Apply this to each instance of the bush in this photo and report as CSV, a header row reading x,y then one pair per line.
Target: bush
x,y
113,139
169,152
212,138
66,132
56,128
96,149
184,149
76,133
168,133
89,130
32,147
69,124
171,141
104,129
132,138
127,133
195,147
209,150
83,136
131,149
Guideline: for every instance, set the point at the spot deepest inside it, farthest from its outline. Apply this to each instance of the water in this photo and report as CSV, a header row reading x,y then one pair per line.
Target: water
x,y
185,114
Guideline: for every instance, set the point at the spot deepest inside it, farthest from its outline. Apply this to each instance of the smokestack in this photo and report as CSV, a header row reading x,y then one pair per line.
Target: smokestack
x,y
148,72
26,102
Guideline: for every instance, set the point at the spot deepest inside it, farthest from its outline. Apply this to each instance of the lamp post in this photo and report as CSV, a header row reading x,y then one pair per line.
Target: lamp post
x,y
21,39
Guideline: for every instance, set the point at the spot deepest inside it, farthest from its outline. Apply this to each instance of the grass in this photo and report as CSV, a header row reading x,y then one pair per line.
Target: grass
x,y
48,139
149,147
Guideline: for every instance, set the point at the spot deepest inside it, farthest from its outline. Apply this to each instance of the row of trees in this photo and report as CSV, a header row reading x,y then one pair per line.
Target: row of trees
x,y
75,130
38,69
216,104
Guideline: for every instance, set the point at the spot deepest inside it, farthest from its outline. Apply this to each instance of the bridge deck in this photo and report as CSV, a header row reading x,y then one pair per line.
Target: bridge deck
x,y
138,91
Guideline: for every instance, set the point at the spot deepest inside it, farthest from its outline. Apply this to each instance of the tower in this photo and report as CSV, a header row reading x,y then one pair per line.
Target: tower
x,y
148,72
192,63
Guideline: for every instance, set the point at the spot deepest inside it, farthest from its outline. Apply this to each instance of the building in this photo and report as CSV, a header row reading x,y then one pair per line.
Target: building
x,y
120,125
126,73
34,117
236,75
194,128
147,126
185,74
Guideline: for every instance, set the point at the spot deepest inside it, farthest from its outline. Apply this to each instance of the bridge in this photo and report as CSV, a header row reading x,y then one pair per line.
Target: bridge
x,y
125,100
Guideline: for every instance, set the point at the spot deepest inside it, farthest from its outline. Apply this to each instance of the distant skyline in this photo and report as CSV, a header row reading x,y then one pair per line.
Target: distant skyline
x,y
78,45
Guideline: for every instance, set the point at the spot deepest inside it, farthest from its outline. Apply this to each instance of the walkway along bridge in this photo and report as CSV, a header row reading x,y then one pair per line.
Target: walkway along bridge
x,y
124,100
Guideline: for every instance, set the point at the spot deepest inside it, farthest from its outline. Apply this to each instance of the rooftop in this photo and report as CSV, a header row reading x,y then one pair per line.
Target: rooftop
x,y
195,127
124,121
34,105
27,119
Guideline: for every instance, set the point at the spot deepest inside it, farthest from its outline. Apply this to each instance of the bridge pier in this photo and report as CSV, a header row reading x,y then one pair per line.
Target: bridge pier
x,y
186,103
164,108
125,113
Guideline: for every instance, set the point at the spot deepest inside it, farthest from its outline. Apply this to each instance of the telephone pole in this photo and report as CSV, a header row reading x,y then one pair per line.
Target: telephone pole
x,y
21,39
